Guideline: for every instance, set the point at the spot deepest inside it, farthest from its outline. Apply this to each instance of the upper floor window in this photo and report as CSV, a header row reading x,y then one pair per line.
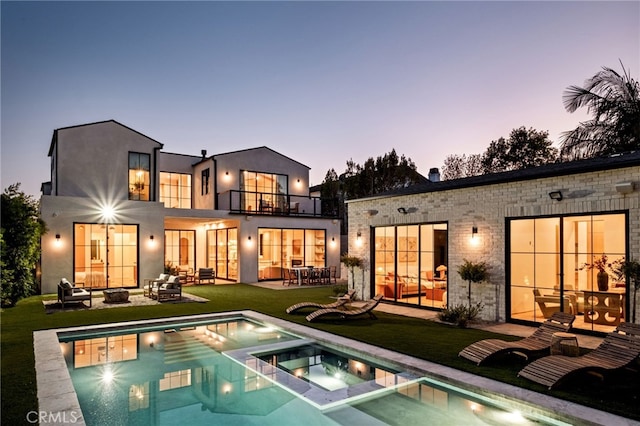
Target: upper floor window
x,y
175,190
266,183
139,176
205,181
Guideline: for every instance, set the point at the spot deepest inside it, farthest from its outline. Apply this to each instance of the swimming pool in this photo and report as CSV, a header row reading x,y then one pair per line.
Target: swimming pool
x,y
245,368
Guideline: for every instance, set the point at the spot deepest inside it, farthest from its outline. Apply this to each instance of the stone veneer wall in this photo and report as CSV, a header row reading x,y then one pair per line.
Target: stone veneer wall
x,y
487,207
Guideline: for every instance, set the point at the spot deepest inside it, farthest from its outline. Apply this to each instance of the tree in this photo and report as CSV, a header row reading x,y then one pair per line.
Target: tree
x,y
614,102
473,273
524,149
460,166
385,173
20,245
352,262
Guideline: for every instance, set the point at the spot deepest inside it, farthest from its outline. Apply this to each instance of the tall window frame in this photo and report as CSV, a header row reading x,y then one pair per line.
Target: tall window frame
x,y
222,252
548,260
105,255
206,174
266,192
410,263
180,248
139,176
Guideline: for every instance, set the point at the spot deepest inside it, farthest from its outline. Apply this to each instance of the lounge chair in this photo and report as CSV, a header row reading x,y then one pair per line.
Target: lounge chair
x,y
171,290
68,293
619,349
152,284
347,313
484,350
549,304
205,274
337,304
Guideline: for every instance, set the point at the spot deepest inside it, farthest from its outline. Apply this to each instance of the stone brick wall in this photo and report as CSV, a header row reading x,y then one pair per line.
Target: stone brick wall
x,y
486,208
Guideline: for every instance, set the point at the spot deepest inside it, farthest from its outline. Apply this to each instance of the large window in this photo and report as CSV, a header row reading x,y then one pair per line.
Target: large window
x,y
279,249
175,190
264,192
550,269
105,255
410,264
139,176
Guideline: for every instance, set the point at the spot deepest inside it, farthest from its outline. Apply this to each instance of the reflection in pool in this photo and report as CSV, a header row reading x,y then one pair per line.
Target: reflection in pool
x,y
238,371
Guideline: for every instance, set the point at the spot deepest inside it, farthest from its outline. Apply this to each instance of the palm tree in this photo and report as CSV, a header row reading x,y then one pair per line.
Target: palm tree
x,y
614,102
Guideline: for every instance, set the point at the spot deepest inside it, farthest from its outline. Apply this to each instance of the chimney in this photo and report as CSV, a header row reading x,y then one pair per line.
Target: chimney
x,y
434,175
203,152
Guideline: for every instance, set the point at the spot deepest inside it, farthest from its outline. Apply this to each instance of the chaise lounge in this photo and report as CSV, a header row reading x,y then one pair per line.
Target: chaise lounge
x,y
540,341
337,304
347,313
68,293
619,349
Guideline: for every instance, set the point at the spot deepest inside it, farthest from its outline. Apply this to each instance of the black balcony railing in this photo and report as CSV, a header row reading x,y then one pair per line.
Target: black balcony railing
x,y
246,202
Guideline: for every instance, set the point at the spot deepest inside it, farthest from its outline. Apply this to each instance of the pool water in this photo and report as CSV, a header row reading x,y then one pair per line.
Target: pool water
x,y
236,371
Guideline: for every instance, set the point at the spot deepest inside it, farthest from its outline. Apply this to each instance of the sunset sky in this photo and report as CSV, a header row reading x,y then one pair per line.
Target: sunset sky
x,y
320,82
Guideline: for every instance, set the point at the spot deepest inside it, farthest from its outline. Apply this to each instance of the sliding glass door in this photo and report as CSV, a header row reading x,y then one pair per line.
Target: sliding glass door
x,y
552,267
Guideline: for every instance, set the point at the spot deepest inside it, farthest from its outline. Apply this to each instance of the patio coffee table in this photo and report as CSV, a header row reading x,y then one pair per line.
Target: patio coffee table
x,y
116,295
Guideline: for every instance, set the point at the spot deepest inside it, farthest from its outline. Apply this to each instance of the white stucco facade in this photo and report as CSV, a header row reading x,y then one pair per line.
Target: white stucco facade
x,y
91,171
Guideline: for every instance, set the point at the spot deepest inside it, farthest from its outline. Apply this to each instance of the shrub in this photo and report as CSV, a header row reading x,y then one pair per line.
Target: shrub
x,y
460,314
339,290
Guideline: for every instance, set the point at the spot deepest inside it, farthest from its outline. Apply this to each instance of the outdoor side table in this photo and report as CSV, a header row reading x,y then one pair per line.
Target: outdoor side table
x,y
116,295
564,344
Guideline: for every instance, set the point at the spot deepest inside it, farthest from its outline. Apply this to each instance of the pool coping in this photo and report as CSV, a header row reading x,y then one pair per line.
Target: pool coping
x,y
58,402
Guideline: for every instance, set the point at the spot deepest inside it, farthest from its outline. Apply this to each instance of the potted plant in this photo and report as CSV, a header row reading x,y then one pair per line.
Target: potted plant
x,y
475,272
602,278
351,262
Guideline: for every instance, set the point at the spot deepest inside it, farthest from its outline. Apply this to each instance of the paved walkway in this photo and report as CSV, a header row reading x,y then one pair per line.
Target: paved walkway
x,y
584,341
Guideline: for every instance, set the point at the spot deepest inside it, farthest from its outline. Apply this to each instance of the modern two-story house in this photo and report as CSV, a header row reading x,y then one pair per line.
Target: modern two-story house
x,y
120,210
542,232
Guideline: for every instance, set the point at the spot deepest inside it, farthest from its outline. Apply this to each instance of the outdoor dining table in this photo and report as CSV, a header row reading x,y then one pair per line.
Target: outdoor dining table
x,y
309,272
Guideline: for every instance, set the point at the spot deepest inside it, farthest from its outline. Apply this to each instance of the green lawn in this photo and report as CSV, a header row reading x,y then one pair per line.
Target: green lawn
x,y
429,340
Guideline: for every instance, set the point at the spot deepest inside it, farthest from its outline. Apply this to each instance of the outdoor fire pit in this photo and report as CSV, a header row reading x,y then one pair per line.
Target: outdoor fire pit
x,y
116,295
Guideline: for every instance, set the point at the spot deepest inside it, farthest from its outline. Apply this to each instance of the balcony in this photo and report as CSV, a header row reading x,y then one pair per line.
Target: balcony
x,y
273,204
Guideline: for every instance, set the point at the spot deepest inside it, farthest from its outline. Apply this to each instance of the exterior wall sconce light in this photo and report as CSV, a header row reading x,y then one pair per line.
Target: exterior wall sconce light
x,y
405,210
474,231
58,242
249,238
151,238
359,238
625,187
555,195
